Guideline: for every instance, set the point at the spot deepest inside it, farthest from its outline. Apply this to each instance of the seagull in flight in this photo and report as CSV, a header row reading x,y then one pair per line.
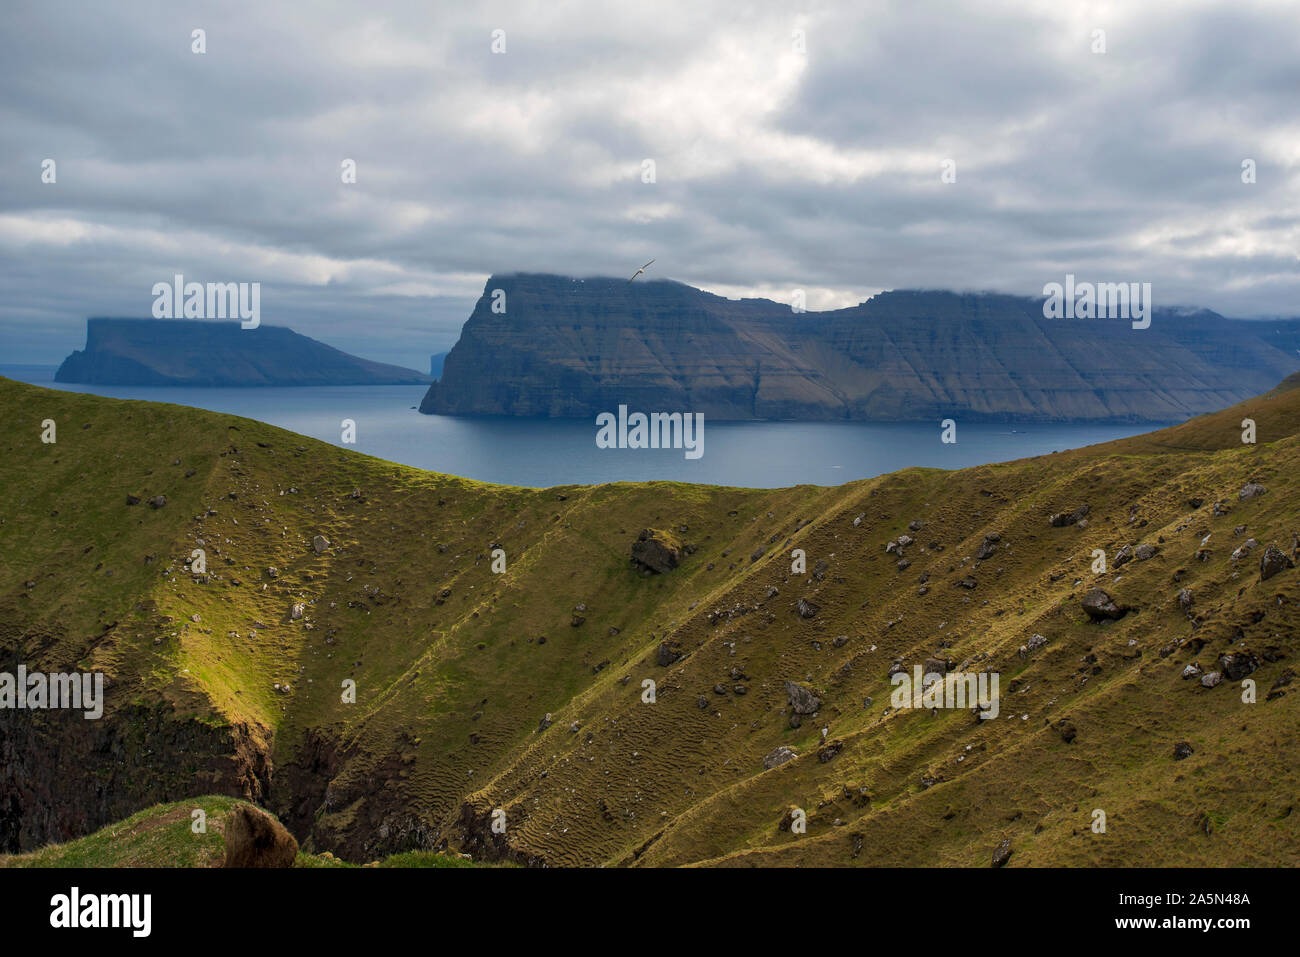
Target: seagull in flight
x,y
640,271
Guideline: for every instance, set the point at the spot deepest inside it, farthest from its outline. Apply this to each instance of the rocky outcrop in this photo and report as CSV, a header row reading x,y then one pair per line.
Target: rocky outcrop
x,y
576,347
255,839
1273,561
656,551
193,352
1101,607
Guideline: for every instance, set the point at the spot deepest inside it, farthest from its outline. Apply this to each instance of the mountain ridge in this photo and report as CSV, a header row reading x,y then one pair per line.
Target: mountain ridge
x,y
203,353
576,347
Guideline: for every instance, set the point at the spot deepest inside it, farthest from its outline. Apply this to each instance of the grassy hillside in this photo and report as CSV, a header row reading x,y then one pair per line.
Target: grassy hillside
x,y
165,836
456,667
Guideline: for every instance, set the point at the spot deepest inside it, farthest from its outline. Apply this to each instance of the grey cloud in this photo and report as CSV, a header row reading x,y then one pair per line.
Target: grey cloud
x,y
773,172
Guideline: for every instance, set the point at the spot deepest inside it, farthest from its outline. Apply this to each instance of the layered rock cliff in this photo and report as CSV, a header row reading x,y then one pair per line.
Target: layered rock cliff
x,y
572,348
192,352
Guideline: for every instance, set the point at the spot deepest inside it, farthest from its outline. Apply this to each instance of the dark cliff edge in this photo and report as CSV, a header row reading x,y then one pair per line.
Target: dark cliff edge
x,y
192,352
571,348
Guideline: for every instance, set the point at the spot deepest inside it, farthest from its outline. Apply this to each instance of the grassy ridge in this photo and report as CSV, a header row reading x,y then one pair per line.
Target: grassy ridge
x,y
456,667
166,836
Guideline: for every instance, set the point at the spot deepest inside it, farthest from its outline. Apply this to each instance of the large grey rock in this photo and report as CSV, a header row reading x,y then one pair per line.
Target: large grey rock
x,y
656,551
802,699
1237,665
1100,606
1273,561
779,756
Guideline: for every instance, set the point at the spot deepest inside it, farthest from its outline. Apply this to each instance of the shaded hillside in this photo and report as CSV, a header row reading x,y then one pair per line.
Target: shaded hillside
x,y
574,348
171,835
524,691
192,352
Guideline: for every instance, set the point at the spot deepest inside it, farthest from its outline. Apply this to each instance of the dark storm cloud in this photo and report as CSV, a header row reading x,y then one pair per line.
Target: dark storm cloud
x,y
776,169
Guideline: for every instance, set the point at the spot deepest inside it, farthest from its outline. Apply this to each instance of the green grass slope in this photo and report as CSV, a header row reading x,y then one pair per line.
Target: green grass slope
x,y
457,667
167,835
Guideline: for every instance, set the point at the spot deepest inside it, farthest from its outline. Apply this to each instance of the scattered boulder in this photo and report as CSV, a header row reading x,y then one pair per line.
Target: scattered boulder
x,y
670,652
1277,691
256,839
1272,562
296,611
1066,729
320,543
1211,679
829,751
1238,665
1185,599
989,546
132,499
1124,556
544,723
1100,606
779,756
934,666
1192,671
656,551
1245,549
1062,519
1251,490
1145,552
806,609
158,501
1033,644
802,699
1002,853
1182,750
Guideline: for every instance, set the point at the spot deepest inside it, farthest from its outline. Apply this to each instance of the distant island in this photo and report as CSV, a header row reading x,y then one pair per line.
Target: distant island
x,y
568,348
192,352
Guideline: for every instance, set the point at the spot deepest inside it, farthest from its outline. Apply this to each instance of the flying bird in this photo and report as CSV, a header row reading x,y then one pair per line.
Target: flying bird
x,y
640,271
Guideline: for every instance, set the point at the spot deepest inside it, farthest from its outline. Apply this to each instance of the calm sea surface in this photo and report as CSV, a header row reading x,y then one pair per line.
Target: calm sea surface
x,y
545,452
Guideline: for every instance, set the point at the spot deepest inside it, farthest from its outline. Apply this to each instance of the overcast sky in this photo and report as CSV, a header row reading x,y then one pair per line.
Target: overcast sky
x,y
776,167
